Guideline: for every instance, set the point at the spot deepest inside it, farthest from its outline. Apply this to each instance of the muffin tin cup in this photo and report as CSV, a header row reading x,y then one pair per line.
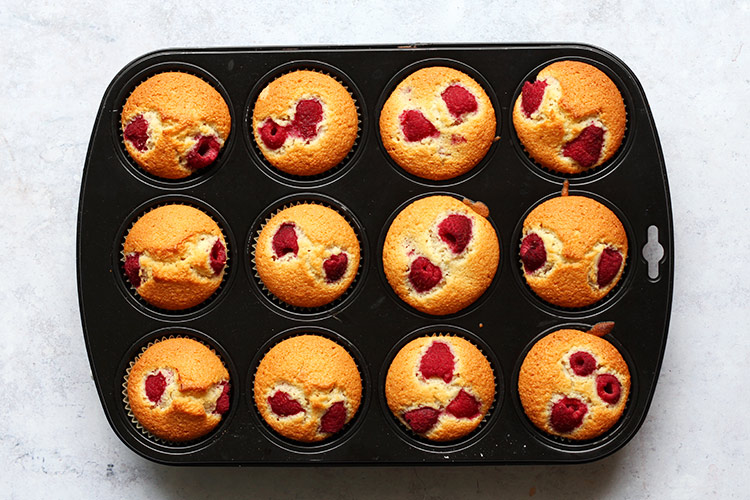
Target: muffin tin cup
x,y
330,175
241,321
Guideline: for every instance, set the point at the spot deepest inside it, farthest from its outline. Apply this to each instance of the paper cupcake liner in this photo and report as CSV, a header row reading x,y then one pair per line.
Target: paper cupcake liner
x,y
134,291
485,418
134,163
308,310
126,400
307,178
347,426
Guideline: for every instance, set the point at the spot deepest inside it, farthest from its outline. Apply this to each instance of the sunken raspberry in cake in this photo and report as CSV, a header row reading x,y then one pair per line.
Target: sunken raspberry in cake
x,y
571,118
305,122
178,389
440,254
307,255
438,123
175,256
175,124
440,387
573,250
574,384
307,388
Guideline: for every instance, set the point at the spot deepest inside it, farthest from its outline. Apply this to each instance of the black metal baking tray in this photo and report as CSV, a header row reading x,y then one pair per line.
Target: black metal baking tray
x,y
240,321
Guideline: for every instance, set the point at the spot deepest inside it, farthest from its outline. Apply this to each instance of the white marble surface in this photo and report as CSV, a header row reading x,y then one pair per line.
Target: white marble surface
x,y
56,59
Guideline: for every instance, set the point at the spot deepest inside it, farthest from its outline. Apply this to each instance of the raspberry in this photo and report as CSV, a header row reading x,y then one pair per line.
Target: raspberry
x,y
416,126
422,419
459,100
334,419
272,134
335,267
437,361
464,406
204,152
533,254
424,275
582,363
608,388
133,268
218,256
457,139
587,147
137,133
609,265
567,414
155,385
455,230
307,115
285,240
531,96
222,404
283,405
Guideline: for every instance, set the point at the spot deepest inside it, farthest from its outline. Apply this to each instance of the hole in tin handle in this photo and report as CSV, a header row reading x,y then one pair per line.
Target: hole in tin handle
x,y
653,252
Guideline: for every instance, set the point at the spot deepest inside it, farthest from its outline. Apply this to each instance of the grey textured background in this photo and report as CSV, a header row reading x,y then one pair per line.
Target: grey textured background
x,y
55,63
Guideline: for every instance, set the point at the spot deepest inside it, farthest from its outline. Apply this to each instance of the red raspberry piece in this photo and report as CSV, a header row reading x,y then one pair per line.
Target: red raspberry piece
x,y
533,254
459,100
222,404
416,126
422,419
608,388
333,419
285,240
204,152
133,268
531,96
587,147
567,414
582,363
437,361
272,134
218,256
136,133
609,265
307,115
155,385
424,275
455,230
335,267
464,406
283,405
457,139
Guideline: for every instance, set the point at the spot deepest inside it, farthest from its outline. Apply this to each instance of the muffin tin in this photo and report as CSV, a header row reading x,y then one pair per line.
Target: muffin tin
x,y
240,322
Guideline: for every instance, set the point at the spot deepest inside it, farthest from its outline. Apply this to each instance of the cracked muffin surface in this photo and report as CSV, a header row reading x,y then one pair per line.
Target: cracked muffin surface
x,y
175,256
438,123
440,254
174,124
574,384
178,389
307,388
440,387
307,255
571,118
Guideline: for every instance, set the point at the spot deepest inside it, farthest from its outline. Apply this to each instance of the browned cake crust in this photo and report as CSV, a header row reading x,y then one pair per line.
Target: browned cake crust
x,y
576,96
575,230
174,243
179,107
337,131
463,141
195,378
300,280
406,388
546,376
314,371
414,234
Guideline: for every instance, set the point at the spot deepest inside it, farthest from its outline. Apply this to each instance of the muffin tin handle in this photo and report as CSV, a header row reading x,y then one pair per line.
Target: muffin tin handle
x,y
653,252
